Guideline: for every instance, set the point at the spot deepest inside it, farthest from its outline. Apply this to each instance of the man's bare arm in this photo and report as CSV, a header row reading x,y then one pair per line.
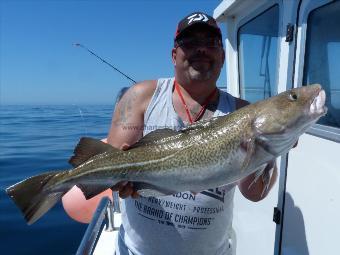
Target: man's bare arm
x,y
126,129
128,124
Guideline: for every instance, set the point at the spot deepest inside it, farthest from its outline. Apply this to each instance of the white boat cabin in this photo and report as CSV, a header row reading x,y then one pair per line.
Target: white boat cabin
x,y
272,46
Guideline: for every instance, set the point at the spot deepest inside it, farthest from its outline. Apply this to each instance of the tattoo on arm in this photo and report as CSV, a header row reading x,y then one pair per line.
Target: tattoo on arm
x,y
125,109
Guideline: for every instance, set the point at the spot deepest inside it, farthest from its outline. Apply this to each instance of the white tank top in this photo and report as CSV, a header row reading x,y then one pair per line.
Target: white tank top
x,y
183,223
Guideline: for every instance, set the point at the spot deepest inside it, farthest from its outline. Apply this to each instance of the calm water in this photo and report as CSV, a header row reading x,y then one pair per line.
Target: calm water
x,y
34,139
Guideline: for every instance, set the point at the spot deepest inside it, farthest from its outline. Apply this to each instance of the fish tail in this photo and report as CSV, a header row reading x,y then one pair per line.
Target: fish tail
x,y
34,197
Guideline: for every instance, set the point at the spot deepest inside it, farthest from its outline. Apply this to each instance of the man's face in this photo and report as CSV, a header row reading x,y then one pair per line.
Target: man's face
x,y
198,54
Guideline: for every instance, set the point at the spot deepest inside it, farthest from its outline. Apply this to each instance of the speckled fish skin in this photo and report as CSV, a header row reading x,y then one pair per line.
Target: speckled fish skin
x,y
215,152
207,154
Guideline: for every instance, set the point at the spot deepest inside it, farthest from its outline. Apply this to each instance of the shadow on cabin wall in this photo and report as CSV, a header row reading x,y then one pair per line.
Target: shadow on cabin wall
x,y
294,233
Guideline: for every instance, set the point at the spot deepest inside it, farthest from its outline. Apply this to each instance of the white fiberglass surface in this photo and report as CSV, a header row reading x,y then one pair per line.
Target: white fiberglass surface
x,y
253,223
312,203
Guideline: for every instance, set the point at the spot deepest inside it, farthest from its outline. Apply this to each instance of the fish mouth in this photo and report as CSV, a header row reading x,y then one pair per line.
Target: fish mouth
x,y
317,107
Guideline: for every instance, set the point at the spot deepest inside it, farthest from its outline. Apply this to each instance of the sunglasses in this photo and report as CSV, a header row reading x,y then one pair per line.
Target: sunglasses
x,y
192,42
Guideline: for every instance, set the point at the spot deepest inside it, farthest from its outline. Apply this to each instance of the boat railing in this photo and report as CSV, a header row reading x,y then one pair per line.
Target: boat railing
x,y
103,216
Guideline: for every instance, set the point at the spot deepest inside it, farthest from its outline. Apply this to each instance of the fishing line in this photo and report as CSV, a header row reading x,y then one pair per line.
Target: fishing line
x,y
104,61
120,93
82,118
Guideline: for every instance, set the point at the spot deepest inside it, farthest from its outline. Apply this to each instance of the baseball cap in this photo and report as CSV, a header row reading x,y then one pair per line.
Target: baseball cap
x,y
194,19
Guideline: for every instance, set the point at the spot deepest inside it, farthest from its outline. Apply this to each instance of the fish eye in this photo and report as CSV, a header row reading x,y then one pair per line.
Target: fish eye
x,y
293,96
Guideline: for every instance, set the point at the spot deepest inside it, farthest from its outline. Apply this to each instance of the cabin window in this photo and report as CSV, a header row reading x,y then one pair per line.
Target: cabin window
x,y
257,48
322,58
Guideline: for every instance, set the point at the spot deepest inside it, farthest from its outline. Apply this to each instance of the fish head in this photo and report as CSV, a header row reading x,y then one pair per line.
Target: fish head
x,y
281,119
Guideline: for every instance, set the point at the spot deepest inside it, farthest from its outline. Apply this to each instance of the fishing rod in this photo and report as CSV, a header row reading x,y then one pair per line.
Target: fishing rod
x,y
104,61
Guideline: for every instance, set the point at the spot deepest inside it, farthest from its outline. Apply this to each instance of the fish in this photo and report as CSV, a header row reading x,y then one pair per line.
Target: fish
x,y
208,153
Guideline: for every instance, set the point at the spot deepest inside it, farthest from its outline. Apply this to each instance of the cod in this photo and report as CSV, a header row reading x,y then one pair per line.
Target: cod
x,y
204,155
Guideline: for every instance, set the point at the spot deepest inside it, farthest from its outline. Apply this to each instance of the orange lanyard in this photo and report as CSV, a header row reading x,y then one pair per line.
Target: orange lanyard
x,y
203,108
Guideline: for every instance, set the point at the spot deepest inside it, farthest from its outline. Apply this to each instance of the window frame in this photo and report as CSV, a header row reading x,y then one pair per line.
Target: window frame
x,y
247,20
308,6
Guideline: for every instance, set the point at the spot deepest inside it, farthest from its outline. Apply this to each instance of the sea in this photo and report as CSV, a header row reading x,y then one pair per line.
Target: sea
x,y
35,139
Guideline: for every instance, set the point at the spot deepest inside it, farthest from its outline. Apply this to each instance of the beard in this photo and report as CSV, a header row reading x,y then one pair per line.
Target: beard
x,y
202,74
200,67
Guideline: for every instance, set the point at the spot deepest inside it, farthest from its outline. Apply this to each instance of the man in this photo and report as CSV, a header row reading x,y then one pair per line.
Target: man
x,y
185,223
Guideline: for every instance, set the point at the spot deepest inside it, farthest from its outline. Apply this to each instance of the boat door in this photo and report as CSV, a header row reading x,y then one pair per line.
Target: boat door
x,y
255,33
311,222
272,46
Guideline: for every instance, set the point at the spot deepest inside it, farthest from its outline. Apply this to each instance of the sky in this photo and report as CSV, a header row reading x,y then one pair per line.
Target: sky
x,y
40,65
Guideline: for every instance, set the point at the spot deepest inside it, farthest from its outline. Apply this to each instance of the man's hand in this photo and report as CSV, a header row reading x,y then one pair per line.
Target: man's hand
x,y
125,189
257,190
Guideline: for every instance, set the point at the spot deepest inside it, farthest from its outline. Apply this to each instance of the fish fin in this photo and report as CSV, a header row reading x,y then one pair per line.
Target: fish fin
x,y
249,147
150,190
265,171
267,176
87,148
158,136
258,174
91,191
198,125
32,198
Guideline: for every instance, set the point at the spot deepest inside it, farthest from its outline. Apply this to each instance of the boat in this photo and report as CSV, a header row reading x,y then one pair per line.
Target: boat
x,y
272,46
